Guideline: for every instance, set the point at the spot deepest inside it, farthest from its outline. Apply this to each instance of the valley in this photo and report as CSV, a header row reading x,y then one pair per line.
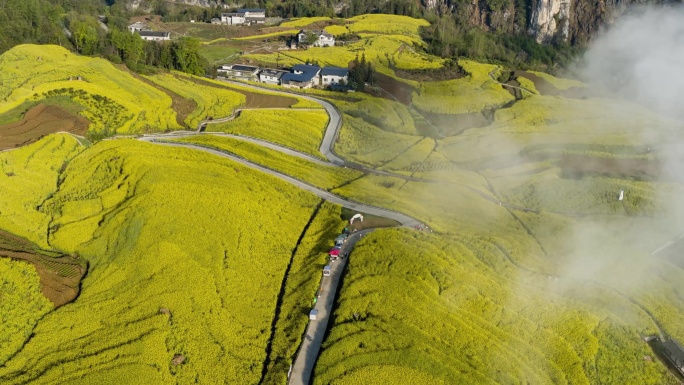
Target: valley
x,y
189,221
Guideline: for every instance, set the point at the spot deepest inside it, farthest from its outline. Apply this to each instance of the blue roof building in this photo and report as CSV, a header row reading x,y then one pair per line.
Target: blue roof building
x,y
302,76
334,75
334,71
306,68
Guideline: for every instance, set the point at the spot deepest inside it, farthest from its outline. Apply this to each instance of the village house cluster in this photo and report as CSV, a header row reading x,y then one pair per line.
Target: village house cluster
x,y
147,34
299,76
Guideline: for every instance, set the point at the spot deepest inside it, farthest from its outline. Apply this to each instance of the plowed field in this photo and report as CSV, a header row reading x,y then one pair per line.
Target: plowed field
x,y
39,121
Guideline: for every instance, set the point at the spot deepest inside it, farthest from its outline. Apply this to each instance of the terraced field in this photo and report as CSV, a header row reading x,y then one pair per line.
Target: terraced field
x,y
533,273
119,223
113,101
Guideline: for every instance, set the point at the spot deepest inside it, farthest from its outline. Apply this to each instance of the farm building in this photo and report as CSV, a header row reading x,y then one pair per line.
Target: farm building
x,y
271,76
137,27
302,76
244,16
674,351
155,35
321,38
334,75
239,72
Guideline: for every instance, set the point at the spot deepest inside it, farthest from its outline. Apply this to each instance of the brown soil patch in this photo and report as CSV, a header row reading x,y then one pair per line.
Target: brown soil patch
x,y
574,166
39,121
256,100
60,275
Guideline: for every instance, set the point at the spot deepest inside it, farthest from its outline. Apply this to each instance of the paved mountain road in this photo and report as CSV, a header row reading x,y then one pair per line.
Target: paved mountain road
x,y
404,219
315,331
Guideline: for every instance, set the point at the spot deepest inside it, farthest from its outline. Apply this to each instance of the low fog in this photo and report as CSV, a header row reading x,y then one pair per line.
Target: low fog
x,y
641,58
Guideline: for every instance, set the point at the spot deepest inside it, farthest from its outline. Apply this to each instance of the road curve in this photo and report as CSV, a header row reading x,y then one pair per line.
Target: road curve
x,y
404,219
331,131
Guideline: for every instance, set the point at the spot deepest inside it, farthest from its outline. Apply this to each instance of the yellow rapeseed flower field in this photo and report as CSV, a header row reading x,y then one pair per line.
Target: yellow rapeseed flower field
x,y
28,176
460,298
387,24
181,237
31,72
558,82
22,305
211,101
300,130
325,177
473,93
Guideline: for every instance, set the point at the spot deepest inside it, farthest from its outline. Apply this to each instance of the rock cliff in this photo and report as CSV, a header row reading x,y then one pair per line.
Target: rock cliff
x,y
572,21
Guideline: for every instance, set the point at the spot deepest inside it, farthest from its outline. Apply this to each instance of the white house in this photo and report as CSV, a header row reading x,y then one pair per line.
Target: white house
x,y
155,35
244,16
271,76
323,39
334,75
238,71
137,27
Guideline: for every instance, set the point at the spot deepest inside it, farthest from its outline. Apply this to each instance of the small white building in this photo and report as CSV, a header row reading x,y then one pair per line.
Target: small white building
x,y
137,27
271,76
244,16
239,72
155,35
323,38
334,75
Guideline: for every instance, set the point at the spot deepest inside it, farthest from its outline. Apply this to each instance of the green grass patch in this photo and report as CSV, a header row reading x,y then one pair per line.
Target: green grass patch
x,y
219,53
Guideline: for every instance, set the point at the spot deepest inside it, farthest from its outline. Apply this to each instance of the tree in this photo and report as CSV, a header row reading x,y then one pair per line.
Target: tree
x,y
361,73
85,37
186,52
310,38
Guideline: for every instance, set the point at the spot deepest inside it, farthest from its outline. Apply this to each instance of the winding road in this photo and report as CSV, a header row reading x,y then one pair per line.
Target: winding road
x,y
305,359
309,349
